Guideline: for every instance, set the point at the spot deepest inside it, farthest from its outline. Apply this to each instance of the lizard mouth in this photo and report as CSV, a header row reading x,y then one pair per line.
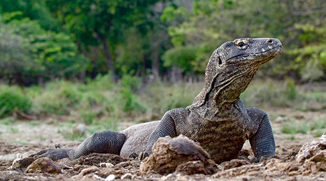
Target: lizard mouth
x,y
268,55
259,57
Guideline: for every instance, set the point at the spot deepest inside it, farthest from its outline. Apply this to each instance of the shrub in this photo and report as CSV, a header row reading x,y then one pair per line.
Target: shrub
x,y
11,99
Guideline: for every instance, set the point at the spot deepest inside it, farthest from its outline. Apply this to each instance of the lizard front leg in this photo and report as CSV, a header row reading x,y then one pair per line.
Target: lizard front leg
x,y
166,127
262,142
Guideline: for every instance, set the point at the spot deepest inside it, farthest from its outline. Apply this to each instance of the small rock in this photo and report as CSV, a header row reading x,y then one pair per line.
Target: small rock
x,y
107,165
89,170
248,170
110,178
86,172
79,129
234,163
44,165
169,153
192,167
280,119
22,164
127,176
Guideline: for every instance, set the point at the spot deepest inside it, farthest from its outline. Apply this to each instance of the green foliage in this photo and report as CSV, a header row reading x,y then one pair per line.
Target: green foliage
x,y
291,90
39,53
312,55
130,102
11,99
33,9
301,31
101,22
183,57
43,40
130,82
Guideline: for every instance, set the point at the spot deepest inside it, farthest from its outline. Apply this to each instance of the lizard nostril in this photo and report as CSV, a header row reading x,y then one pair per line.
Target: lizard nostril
x,y
270,41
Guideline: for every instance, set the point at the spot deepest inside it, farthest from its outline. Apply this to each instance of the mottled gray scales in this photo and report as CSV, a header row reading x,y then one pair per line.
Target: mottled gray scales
x,y
217,118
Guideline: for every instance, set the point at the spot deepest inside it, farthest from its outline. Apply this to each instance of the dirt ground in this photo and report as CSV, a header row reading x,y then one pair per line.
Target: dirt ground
x,y
23,138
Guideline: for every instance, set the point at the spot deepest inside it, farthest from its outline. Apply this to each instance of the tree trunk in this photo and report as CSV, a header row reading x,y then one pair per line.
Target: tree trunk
x,y
109,61
143,69
176,74
155,63
82,73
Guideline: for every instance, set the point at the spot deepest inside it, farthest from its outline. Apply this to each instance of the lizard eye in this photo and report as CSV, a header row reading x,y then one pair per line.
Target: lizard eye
x,y
241,44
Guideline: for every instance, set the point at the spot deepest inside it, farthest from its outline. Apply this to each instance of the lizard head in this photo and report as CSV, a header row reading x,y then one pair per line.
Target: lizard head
x,y
233,65
246,52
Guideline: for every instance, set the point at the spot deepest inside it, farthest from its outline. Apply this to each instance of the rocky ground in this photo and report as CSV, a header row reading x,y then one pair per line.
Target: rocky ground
x,y
300,158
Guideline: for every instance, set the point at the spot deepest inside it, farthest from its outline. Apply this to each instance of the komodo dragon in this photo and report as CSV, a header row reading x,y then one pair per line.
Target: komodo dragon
x,y
217,118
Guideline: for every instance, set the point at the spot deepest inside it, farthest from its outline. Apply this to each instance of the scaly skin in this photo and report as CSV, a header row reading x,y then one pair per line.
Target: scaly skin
x,y
217,118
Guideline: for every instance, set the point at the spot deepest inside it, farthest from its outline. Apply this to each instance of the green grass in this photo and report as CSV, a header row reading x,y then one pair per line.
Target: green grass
x,y
34,123
318,132
282,94
318,124
14,130
42,138
71,135
315,127
292,127
161,98
7,121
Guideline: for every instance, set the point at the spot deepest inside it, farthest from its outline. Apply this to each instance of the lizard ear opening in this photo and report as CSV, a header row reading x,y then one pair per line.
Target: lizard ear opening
x,y
219,61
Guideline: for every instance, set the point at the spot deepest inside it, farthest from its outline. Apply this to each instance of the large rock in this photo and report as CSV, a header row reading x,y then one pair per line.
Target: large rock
x,y
22,164
181,154
44,165
311,149
312,156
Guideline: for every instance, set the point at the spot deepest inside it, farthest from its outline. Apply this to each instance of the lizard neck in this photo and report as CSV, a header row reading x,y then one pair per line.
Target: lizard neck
x,y
221,101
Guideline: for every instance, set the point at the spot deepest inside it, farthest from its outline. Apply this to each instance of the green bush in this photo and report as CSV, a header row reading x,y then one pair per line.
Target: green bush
x,y
129,85
11,99
162,97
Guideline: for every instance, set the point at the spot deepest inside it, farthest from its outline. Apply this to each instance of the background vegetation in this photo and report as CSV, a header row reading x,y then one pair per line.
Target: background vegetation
x,y
44,40
95,60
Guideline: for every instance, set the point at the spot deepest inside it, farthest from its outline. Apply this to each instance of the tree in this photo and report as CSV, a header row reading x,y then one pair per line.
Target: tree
x,y
100,22
298,24
34,10
144,44
31,53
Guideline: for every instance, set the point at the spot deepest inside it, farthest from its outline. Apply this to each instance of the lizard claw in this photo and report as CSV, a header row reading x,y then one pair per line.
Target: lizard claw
x,y
143,155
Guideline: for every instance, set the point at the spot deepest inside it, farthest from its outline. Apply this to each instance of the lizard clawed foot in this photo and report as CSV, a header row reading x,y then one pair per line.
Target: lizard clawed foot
x,y
256,160
54,154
